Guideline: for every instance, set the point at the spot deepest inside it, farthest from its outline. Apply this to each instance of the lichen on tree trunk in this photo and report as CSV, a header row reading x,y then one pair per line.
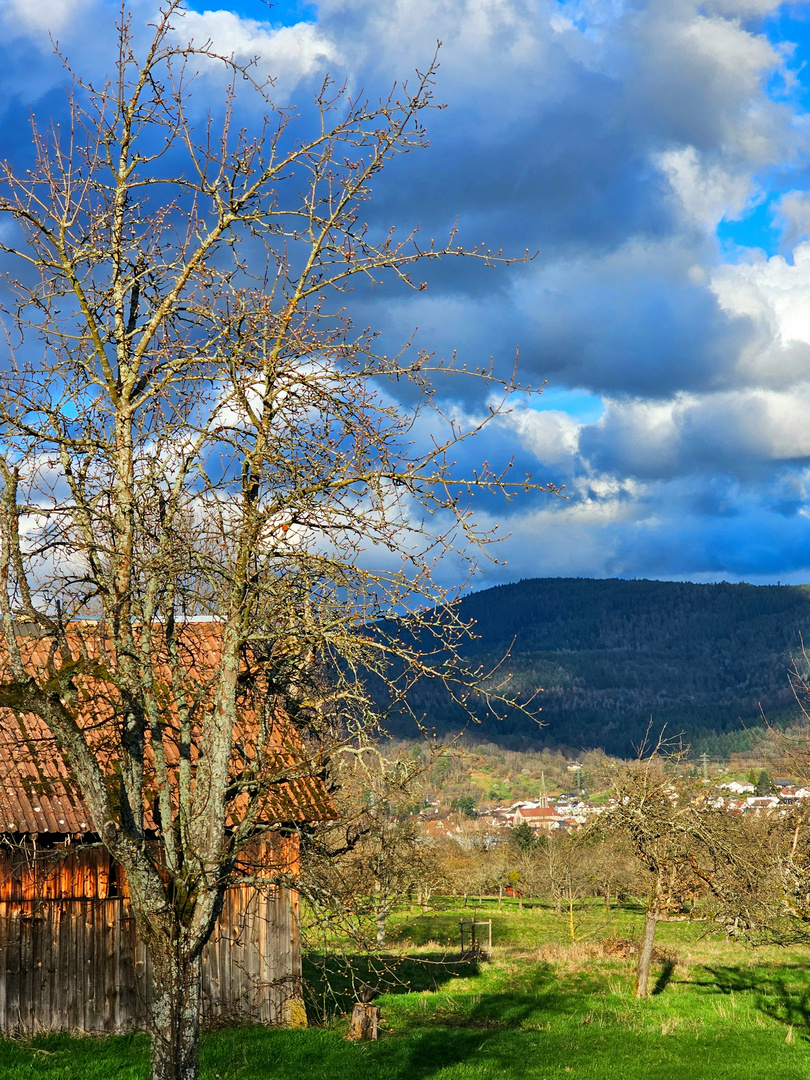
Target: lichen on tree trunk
x,y
381,934
175,1012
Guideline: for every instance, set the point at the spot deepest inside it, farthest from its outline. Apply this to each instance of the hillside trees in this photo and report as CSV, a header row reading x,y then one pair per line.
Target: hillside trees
x,y
194,434
609,654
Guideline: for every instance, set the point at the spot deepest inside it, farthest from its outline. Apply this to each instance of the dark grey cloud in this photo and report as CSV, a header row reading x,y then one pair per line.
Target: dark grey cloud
x,y
612,139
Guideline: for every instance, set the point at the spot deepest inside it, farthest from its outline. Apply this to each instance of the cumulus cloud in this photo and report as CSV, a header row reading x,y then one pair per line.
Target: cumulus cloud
x,y
45,17
286,54
631,321
611,139
706,192
773,295
738,433
792,211
550,435
685,529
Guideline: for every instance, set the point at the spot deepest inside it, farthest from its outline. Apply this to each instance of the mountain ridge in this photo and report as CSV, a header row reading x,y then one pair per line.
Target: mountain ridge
x,y
614,654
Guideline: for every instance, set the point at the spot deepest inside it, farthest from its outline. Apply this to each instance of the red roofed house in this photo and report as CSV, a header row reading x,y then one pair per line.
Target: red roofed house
x,y
541,818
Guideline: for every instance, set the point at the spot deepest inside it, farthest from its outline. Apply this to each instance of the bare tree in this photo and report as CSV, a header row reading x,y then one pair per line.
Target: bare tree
x,y
465,858
670,836
760,881
564,872
203,471
432,869
368,858
612,870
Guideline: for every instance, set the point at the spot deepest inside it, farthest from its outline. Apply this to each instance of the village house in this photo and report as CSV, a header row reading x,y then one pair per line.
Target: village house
x,y
738,788
791,794
757,804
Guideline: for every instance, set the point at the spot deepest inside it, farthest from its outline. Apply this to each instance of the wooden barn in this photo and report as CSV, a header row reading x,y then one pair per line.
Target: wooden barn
x,y
70,956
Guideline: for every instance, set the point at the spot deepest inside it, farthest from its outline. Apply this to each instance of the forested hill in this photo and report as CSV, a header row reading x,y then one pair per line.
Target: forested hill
x,y
612,654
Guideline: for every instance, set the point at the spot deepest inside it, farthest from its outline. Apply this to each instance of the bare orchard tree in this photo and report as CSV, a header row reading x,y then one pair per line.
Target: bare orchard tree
x,y
365,862
760,884
672,838
202,463
612,870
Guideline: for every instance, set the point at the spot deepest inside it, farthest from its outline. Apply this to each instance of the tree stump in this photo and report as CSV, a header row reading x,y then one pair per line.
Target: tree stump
x,y
365,1021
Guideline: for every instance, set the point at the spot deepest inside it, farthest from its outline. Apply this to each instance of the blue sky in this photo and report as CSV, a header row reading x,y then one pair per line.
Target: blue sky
x,y
282,13
655,155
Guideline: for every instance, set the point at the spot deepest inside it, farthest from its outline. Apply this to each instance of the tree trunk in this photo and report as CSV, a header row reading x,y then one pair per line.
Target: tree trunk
x,y
175,1013
365,1022
572,926
500,897
382,911
607,898
645,952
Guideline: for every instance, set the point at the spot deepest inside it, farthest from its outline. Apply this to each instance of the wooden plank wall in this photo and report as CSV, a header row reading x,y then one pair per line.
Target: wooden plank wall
x,y
68,965
58,873
75,963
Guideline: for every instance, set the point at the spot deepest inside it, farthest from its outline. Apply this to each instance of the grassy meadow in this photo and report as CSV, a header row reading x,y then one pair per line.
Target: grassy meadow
x,y
554,1002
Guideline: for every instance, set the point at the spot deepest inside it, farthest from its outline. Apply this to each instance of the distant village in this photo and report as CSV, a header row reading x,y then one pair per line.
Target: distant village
x,y
565,813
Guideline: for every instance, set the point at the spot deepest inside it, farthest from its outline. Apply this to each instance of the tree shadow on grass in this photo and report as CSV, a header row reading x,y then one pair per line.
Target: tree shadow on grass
x,y
774,990
661,983
529,1006
297,1055
333,983
427,1053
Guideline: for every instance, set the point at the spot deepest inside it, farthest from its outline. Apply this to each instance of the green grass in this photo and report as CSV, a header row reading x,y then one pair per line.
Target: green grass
x,y
543,1009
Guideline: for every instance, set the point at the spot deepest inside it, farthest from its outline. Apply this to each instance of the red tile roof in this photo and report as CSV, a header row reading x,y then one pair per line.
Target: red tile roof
x,y
39,795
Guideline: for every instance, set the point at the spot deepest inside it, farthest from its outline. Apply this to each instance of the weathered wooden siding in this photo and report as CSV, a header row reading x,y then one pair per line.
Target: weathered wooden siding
x,y
59,873
252,965
74,962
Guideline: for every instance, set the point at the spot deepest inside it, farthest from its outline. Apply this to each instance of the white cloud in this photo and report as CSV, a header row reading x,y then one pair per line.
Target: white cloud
x,y
577,537
771,290
42,16
793,213
742,9
552,436
733,432
737,56
773,294
707,192
288,54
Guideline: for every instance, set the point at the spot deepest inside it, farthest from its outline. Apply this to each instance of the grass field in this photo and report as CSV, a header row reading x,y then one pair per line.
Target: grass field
x,y
544,1008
